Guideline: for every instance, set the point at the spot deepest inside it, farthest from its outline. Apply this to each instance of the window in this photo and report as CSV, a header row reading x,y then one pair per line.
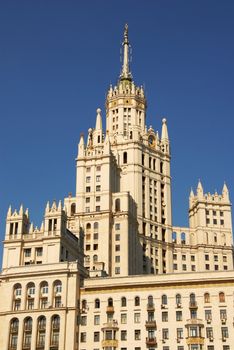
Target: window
x,y
98,178
87,200
88,189
123,302
178,299
98,198
83,337
223,314
98,168
98,188
83,320
137,317
110,302
123,335
117,204
209,332
97,303
117,259
98,208
95,226
192,257
96,336
123,318
178,315
224,331
88,178
206,257
179,333
224,258
96,319
183,257
27,252
117,226
207,298
137,334
125,157
165,333
193,314
117,270
221,297
164,316
184,267
117,237
193,331
164,299
117,248
39,251
208,315
137,301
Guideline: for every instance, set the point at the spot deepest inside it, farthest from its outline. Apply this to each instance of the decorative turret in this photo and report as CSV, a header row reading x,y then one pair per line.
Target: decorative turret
x,y
81,146
164,137
200,192
97,133
225,192
17,223
55,219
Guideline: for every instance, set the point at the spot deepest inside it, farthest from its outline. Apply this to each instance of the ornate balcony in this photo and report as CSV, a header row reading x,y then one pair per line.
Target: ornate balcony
x,y
151,341
195,340
150,324
193,305
110,343
110,325
110,309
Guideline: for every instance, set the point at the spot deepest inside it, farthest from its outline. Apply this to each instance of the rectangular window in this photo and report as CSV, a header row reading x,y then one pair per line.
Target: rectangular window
x,y
117,226
117,237
98,208
96,336
164,316
98,168
208,315
83,320
96,320
117,248
117,259
87,200
206,257
88,189
137,334
98,198
224,331
98,188
83,337
117,270
87,209
175,256
179,332
192,257
183,257
137,317
123,318
27,252
88,179
88,169
98,178
165,333
39,251
184,267
178,315
209,332
123,335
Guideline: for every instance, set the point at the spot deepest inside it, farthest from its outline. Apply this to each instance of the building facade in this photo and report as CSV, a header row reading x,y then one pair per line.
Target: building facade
x,y
107,270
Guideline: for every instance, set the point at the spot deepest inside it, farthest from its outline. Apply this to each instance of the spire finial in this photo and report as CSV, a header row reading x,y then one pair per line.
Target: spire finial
x,y
126,74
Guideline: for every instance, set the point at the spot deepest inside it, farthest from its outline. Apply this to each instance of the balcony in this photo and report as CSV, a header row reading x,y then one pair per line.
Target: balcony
x,y
150,307
151,341
110,325
195,340
150,324
110,343
110,309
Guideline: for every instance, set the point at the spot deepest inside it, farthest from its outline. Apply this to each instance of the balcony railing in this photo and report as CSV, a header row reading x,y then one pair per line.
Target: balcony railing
x,y
151,341
110,343
150,307
110,309
193,305
151,324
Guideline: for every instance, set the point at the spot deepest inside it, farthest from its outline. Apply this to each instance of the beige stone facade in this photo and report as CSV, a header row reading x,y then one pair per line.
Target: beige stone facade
x,y
107,269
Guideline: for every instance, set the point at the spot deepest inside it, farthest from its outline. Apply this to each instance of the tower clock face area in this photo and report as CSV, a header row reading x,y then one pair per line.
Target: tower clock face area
x,y
151,141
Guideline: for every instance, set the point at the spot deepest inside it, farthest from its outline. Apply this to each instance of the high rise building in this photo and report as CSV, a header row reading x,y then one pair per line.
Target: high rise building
x,y
107,270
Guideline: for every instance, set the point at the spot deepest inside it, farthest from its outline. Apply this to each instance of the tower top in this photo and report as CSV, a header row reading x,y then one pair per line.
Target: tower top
x,y
125,73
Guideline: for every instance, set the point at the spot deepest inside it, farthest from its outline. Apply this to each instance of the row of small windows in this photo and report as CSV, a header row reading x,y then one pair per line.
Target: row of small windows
x,y
31,292
40,333
164,300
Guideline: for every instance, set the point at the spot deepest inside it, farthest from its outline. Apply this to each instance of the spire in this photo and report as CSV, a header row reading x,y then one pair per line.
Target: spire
x,y
191,193
21,211
125,73
199,190
98,120
81,146
225,192
164,130
9,213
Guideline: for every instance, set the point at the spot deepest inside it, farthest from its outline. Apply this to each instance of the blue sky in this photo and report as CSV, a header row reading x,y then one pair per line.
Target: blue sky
x,y
57,59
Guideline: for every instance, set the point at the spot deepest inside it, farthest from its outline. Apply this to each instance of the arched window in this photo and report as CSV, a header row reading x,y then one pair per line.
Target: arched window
x,y
44,289
150,301
123,302
137,301
206,298
41,331
57,290
14,331
178,299
17,293
110,302
88,227
125,157
73,209
154,164
95,258
117,204
221,297
30,296
95,226
183,238
55,329
192,299
97,304
27,333
164,299
174,237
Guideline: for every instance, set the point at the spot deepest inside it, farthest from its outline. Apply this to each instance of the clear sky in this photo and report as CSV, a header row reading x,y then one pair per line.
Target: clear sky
x,y
57,59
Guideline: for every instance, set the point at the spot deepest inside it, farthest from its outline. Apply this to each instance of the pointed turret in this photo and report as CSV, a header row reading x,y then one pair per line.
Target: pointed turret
x,y
27,213
225,192
21,211
98,120
125,73
47,209
60,206
9,212
200,192
164,131
191,197
81,146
